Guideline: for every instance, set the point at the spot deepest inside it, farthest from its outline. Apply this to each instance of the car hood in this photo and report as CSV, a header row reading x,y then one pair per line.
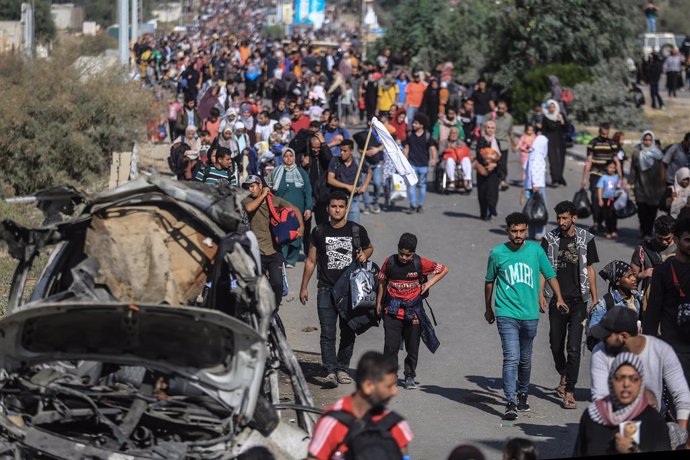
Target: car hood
x,y
218,354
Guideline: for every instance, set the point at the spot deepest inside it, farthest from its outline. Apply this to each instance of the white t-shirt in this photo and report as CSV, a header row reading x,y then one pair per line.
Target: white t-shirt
x,y
660,365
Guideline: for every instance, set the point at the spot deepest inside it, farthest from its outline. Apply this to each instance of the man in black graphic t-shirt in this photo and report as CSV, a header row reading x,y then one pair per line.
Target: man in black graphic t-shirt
x,y
572,253
331,252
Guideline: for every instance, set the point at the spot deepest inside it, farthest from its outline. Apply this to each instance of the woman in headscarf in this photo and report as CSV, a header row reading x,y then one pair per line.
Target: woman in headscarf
x,y
647,178
680,192
247,120
229,119
431,102
186,149
208,101
399,122
623,422
553,127
486,164
290,182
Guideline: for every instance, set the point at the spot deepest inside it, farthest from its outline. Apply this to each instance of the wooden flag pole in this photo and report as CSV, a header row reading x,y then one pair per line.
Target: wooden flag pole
x,y
359,170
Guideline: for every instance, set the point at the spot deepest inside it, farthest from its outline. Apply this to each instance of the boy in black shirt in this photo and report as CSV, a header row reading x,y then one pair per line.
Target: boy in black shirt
x,y
332,251
572,253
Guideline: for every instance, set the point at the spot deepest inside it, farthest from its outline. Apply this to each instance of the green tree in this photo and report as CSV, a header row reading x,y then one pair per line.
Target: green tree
x,y
433,32
541,32
11,10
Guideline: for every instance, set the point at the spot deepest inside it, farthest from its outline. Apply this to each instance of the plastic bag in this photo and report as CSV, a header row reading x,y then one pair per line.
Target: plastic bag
x,y
535,209
582,204
624,206
363,287
399,188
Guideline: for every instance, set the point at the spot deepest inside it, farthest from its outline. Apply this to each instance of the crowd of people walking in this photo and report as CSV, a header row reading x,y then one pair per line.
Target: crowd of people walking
x,y
289,121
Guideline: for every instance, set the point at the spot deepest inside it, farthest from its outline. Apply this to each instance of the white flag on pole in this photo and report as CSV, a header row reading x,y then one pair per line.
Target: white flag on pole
x,y
392,149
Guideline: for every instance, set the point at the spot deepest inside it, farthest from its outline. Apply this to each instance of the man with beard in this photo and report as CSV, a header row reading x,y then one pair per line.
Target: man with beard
x,y
572,253
443,125
651,253
377,384
618,332
468,120
515,268
668,305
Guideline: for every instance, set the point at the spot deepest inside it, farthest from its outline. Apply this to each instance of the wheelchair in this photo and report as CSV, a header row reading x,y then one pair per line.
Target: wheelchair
x,y
445,186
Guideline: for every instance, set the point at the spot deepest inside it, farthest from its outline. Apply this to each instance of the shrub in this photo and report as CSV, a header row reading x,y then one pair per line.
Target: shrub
x,y
606,98
532,87
59,128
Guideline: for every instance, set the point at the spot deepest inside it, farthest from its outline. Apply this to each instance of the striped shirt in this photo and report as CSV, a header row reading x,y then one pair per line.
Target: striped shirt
x,y
214,175
601,150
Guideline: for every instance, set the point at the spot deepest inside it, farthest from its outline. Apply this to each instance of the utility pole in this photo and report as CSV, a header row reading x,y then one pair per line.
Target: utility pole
x,y
123,38
28,21
135,20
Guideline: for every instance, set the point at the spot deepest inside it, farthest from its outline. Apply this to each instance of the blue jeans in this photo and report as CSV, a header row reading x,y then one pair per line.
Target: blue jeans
x,y
411,112
353,214
421,172
516,339
480,120
651,25
377,181
328,317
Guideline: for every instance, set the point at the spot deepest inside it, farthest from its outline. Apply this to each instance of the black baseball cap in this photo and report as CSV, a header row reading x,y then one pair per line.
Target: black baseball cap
x,y
617,319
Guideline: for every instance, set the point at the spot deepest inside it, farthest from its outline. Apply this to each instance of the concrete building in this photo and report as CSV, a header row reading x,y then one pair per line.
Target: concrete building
x,y
11,36
67,16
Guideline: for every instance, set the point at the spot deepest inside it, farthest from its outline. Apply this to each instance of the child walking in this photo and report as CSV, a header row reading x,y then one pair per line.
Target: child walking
x,y
606,189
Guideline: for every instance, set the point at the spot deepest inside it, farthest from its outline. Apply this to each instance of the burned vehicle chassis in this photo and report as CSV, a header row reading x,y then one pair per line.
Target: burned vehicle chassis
x,y
150,333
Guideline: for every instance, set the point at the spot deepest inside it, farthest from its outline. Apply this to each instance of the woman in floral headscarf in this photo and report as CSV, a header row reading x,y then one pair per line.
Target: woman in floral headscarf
x,y
622,292
623,422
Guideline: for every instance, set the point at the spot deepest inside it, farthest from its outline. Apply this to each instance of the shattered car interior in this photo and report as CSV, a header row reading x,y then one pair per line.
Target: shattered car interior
x,y
150,333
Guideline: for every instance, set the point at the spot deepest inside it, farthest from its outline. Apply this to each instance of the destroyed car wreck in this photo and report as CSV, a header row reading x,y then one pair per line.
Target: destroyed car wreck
x,y
150,333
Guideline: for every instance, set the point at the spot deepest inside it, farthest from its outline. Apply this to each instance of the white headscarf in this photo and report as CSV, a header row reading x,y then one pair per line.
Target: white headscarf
x,y
552,116
649,155
682,194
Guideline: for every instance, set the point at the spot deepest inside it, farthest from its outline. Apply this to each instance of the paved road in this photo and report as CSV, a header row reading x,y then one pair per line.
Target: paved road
x,y
459,399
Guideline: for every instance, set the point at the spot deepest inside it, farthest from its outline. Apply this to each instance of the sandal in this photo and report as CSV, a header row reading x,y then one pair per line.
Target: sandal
x,y
561,387
569,401
343,378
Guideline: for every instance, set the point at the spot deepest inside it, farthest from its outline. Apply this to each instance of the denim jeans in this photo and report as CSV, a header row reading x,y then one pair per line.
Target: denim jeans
x,y
353,213
517,337
411,112
377,181
480,120
328,317
651,25
415,200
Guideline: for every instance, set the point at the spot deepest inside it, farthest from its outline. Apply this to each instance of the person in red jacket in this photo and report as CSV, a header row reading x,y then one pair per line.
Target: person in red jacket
x,y
403,280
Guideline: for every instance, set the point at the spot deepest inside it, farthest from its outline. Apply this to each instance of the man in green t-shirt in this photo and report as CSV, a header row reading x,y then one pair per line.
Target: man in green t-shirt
x,y
514,268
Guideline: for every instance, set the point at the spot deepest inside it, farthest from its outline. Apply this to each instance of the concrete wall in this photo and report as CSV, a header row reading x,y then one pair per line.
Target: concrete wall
x,y
67,16
11,36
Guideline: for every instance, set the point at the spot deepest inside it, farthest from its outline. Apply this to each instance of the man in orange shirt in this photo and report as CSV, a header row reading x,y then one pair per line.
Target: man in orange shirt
x,y
413,97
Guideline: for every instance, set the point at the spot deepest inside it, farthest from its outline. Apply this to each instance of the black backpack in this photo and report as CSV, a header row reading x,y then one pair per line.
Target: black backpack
x,y
369,440
417,261
610,303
